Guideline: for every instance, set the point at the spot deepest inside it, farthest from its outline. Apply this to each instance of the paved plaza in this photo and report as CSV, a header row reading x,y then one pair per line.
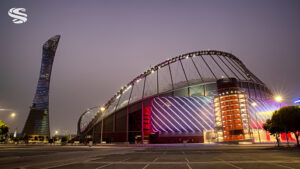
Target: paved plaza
x,y
150,157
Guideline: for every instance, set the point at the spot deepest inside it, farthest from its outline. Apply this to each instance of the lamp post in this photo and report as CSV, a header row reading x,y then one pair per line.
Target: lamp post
x,y
279,99
13,115
55,136
254,105
102,109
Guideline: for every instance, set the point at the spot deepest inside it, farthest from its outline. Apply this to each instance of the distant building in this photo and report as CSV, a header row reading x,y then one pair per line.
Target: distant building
x,y
37,124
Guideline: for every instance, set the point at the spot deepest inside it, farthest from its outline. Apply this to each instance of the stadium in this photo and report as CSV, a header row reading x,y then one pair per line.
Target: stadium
x,y
198,97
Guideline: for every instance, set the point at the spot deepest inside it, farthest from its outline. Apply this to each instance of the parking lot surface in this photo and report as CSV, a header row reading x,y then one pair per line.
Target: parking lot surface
x,y
208,156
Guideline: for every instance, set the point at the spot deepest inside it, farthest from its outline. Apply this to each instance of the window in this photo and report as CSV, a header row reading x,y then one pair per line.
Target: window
x,y
245,86
210,88
252,90
197,90
181,92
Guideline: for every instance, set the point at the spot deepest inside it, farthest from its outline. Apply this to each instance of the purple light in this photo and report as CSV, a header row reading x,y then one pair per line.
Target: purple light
x,y
177,115
184,115
162,123
265,109
156,123
252,118
198,109
189,113
203,107
171,116
165,117
209,125
155,129
262,106
262,109
208,101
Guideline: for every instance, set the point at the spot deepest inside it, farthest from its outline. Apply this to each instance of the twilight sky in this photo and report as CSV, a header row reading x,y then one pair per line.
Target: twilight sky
x,y
106,43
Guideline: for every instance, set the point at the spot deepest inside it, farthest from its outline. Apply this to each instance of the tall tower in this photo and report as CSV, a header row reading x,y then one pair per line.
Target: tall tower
x,y
37,124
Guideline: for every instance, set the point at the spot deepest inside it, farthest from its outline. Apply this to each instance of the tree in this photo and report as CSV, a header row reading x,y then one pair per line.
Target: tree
x,y
3,131
26,139
289,120
65,139
274,127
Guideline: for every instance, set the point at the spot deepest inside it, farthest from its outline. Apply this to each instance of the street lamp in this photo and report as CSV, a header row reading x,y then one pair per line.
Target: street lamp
x,y
102,109
254,105
13,115
278,99
56,132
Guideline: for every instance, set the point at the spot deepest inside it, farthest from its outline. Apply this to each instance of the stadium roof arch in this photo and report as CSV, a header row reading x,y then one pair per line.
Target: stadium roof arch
x,y
200,67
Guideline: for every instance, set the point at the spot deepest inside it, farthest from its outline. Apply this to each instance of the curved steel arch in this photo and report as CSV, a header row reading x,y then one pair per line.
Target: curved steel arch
x,y
181,57
82,115
238,65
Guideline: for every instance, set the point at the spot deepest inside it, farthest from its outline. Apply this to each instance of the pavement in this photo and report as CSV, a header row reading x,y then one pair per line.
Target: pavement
x,y
168,156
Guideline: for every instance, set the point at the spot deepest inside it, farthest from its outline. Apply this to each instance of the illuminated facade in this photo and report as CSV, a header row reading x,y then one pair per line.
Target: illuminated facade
x,y
174,101
231,112
37,123
297,101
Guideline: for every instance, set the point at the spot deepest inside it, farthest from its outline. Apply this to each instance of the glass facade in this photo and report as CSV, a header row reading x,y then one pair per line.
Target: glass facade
x,y
37,123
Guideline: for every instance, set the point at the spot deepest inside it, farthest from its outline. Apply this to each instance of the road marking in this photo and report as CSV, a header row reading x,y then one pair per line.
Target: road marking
x,y
187,160
111,164
149,163
146,166
228,163
125,160
104,166
54,164
233,165
282,166
188,165
155,159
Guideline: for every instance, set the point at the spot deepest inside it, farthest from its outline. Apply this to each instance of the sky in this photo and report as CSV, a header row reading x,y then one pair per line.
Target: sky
x,y
106,43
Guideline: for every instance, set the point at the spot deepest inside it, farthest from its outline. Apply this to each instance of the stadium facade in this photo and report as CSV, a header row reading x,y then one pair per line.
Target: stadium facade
x,y
203,96
37,124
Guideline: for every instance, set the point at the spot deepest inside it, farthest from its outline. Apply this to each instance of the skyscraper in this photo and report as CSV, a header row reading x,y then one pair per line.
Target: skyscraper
x,y
37,124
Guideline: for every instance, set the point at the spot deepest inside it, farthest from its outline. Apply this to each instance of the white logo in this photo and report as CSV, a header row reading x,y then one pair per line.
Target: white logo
x,y
18,14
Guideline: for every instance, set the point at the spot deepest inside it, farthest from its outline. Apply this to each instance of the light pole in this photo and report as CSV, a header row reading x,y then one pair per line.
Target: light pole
x,y
254,105
279,99
13,115
55,136
102,109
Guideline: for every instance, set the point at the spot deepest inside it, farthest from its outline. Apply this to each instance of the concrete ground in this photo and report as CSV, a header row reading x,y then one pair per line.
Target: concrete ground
x,y
151,157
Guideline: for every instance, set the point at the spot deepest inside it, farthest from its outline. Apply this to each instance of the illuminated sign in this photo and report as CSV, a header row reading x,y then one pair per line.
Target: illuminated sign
x,y
297,101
